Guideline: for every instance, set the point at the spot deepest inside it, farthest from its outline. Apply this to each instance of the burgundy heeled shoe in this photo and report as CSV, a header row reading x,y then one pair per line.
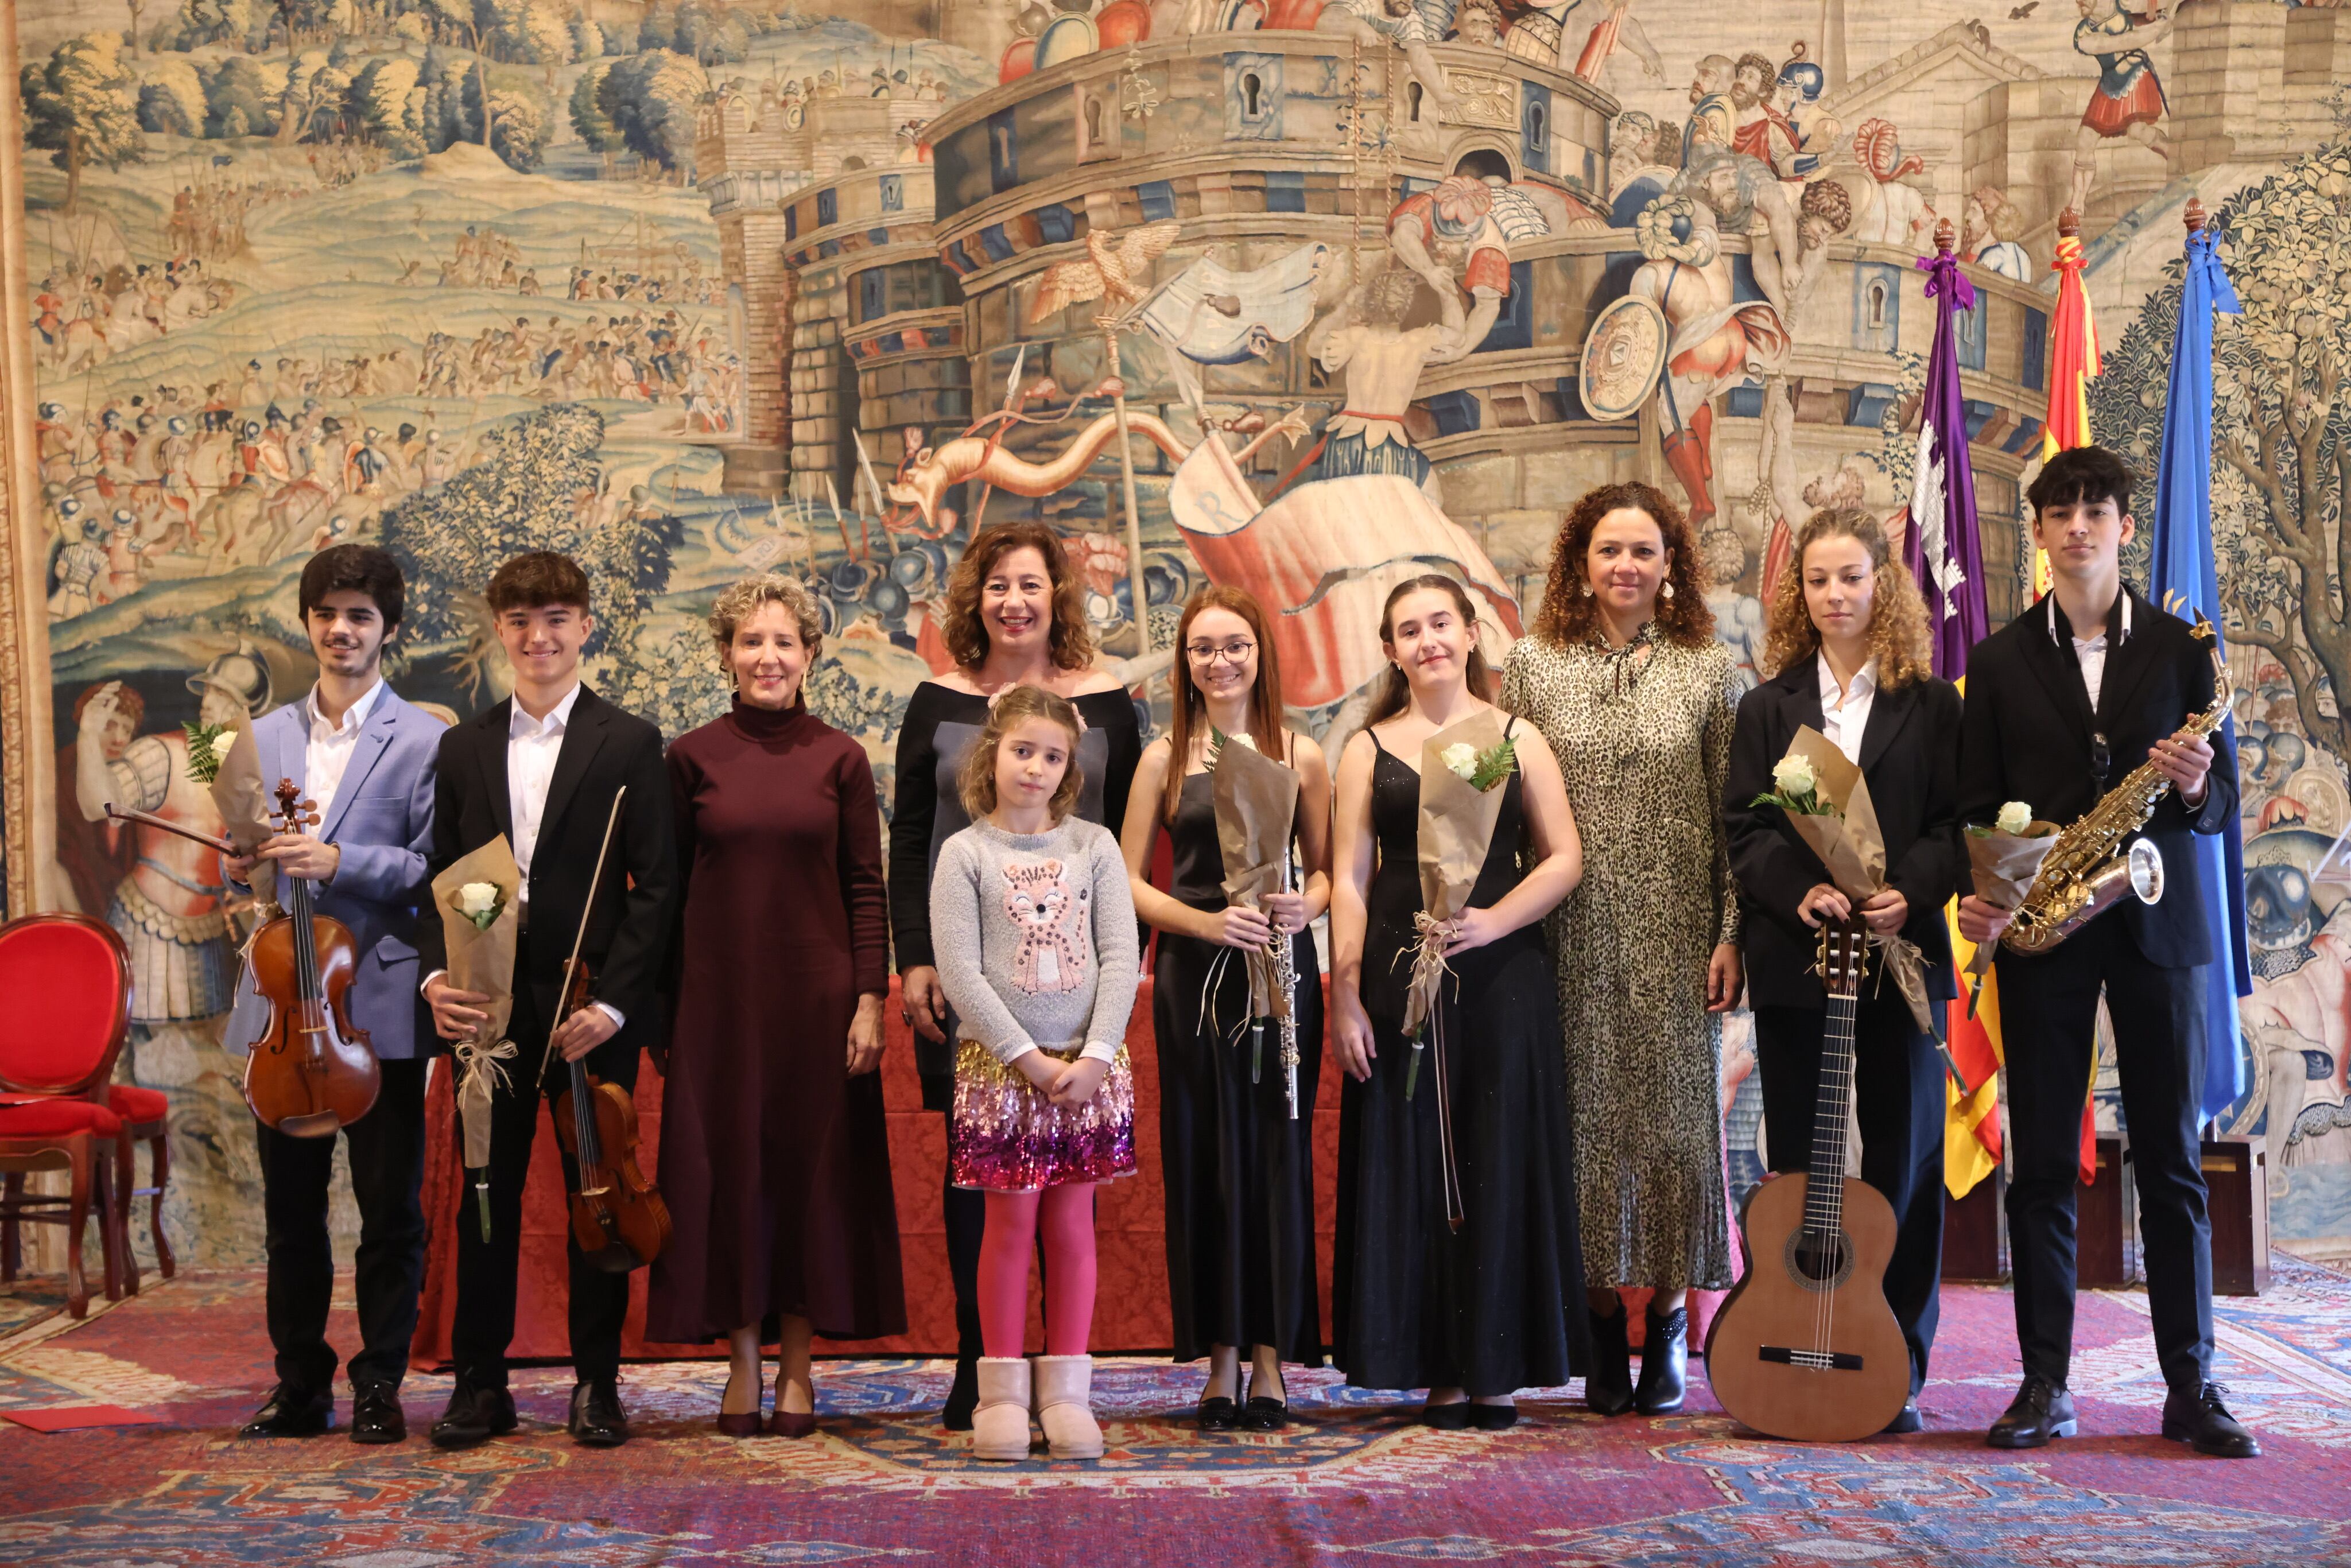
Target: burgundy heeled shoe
x,y
742,1423
791,1423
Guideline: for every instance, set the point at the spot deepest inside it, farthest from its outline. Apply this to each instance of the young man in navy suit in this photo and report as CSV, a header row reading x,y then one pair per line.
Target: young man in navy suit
x,y
366,759
2061,704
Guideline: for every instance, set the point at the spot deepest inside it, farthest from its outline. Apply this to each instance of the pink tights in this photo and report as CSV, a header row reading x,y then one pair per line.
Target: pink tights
x,y
1013,1220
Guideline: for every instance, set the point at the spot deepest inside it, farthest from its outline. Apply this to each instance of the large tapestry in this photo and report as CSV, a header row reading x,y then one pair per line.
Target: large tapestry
x,y
1299,296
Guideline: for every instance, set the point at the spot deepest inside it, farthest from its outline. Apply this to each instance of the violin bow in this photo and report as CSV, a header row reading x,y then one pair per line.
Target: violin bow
x,y
149,820
579,938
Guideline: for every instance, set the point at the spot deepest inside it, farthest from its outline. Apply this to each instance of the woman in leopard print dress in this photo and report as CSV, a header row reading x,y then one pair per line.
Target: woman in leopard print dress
x,y
1626,681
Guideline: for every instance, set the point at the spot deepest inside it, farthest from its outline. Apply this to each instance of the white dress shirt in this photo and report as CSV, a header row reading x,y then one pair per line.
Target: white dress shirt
x,y
327,756
532,746
2090,653
1844,710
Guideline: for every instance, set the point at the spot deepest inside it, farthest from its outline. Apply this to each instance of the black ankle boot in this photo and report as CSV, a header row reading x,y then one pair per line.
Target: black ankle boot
x,y
1665,1364
963,1394
1608,1386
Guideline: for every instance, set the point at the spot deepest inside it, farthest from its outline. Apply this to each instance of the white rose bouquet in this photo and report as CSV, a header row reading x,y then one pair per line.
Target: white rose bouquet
x,y
1796,787
208,746
481,903
1828,805
479,898
2004,858
1459,804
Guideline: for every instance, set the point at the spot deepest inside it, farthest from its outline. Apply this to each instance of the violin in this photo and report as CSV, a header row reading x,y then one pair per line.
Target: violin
x,y
313,1071
617,1215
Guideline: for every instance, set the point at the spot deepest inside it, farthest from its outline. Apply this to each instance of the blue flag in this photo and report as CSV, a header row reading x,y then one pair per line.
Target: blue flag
x,y
2186,582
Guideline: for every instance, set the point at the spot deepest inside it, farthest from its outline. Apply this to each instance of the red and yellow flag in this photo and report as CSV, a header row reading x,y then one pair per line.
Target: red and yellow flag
x,y
1971,1121
2072,362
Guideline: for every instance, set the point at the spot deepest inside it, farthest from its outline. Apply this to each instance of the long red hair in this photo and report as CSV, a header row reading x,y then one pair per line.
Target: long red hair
x,y
1191,715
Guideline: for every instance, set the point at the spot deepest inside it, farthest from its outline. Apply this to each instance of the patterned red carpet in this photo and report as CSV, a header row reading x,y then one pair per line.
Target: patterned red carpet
x,y
1354,1480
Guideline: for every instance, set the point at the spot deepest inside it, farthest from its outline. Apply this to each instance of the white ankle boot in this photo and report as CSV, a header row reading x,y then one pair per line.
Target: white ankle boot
x,y
1065,1406
999,1428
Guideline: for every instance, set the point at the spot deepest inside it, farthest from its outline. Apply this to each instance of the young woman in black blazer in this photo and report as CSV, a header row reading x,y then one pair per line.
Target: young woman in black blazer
x,y
1850,655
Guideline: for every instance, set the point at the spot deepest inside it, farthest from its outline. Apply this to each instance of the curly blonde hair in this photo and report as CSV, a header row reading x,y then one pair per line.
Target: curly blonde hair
x,y
975,779
1570,614
746,598
966,634
1899,637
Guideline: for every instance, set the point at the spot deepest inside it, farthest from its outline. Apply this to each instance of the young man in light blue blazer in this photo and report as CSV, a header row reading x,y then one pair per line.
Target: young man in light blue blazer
x,y
366,758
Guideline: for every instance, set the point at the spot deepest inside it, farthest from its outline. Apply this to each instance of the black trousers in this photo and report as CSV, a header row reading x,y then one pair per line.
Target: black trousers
x,y
599,1301
2048,1012
387,1158
1897,1099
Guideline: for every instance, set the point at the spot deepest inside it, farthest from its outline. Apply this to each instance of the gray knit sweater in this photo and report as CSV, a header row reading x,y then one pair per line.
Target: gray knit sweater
x,y
1034,935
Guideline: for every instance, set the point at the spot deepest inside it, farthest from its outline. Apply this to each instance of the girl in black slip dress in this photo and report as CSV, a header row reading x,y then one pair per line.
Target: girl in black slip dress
x,y
1414,1304
1239,1173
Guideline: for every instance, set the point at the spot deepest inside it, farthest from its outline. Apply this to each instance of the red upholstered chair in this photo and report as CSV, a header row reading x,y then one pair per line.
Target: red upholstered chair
x,y
68,982
144,1114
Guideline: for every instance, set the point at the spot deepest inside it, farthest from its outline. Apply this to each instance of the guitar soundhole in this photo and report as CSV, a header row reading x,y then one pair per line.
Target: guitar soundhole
x,y
1819,1260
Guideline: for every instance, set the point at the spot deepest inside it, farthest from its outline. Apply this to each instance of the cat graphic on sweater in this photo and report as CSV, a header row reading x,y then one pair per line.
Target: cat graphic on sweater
x,y
1049,911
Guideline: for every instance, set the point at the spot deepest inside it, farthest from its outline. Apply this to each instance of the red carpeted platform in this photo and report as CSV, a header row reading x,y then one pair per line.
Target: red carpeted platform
x,y
1131,1315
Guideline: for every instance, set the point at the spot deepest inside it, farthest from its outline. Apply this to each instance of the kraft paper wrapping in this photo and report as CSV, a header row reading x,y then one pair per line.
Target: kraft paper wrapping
x,y
247,809
482,959
1853,847
2004,867
1257,806
1457,828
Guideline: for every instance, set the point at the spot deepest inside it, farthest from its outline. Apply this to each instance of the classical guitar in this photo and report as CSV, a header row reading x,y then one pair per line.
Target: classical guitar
x,y
1805,1346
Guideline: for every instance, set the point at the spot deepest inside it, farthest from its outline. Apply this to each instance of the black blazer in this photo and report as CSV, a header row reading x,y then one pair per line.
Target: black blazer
x,y
604,749
2029,735
1910,756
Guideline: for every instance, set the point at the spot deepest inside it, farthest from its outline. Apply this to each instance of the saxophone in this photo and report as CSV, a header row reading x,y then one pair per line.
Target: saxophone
x,y
2096,861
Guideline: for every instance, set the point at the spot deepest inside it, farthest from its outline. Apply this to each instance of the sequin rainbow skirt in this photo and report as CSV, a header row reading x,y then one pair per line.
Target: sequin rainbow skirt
x,y
1009,1137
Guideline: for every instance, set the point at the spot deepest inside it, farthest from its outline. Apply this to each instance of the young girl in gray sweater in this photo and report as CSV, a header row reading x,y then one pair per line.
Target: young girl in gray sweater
x,y
1033,927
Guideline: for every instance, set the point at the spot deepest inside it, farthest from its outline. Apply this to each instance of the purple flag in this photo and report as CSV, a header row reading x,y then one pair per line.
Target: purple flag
x,y
1942,548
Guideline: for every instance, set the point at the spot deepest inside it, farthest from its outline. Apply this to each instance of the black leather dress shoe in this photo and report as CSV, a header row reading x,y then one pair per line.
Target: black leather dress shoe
x,y
1665,1364
2202,1420
597,1420
291,1411
1902,1426
473,1415
1263,1413
1453,1418
376,1415
1494,1418
1218,1413
2040,1412
1608,1386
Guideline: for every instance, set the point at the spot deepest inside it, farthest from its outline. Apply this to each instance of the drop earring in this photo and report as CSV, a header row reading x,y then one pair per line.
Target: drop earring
x,y
1667,591
1587,588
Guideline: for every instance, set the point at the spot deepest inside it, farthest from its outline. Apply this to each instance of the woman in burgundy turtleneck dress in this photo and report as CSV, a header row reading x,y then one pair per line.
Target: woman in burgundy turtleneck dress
x,y
774,1158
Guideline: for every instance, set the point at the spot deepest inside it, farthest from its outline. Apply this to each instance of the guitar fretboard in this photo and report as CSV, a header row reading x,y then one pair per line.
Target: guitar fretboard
x,y
1824,1192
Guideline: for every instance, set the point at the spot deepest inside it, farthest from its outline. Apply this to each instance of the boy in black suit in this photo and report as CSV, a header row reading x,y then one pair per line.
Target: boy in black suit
x,y
2061,705
542,767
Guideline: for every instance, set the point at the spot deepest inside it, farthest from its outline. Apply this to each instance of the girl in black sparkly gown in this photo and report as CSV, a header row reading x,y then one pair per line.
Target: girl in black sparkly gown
x,y
1239,1173
1475,1312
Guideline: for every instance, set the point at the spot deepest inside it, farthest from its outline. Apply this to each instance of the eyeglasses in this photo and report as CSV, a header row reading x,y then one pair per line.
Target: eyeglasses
x,y
1232,653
